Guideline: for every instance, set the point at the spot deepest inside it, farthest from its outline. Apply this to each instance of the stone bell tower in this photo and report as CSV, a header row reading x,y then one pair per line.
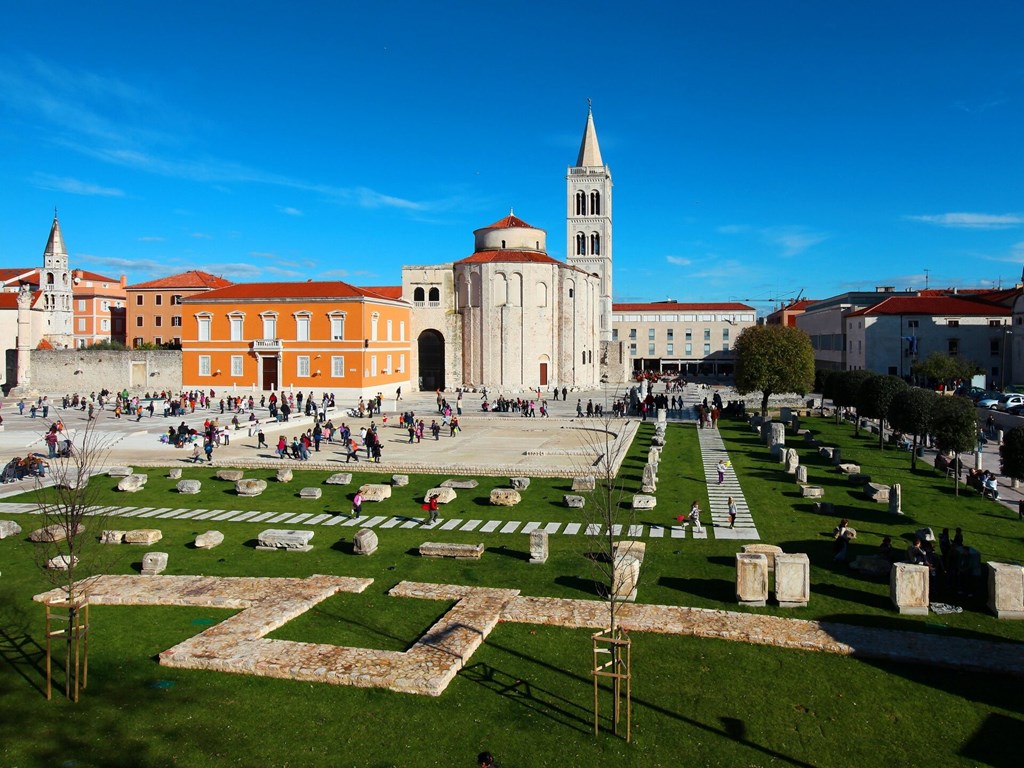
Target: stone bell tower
x,y
56,287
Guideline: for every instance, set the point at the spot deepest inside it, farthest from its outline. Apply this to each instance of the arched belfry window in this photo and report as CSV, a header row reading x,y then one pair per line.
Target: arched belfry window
x,y
595,203
417,297
581,244
434,297
595,244
581,203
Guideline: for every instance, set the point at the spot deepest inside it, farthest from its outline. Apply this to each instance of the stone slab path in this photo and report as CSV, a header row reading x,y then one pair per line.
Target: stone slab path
x,y
379,522
239,644
712,448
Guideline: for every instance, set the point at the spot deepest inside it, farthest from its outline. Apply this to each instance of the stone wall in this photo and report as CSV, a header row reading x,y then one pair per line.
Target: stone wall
x,y
67,371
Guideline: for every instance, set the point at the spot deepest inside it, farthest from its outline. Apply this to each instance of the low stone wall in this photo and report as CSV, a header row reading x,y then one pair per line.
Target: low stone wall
x,y
59,371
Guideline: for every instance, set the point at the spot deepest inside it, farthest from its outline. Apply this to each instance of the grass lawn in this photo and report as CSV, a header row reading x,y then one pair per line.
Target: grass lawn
x,y
526,694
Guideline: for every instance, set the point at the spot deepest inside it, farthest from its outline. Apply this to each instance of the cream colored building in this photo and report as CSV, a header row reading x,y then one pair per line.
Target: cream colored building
x,y
671,336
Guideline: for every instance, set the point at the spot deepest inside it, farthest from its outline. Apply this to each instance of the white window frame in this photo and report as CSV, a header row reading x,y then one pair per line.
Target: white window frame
x,y
205,327
401,330
390,331
374,322
204,365
303,323
401,363
302,366
337,326
236,322
237,366
269,320
338,366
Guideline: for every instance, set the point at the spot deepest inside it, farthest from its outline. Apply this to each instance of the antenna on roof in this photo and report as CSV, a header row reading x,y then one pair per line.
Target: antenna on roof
x,y
926,279
590,105
511,211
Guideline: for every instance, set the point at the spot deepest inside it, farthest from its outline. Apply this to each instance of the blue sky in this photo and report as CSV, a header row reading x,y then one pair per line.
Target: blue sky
x,y
758,149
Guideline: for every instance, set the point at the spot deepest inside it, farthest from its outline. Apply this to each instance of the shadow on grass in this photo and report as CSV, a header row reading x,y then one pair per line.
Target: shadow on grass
x,y
504,551
345,547
25,656
589,587
712,589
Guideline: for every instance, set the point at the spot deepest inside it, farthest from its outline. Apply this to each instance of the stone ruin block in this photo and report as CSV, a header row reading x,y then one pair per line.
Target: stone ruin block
x,y
908,588
284,475
627,557
573,502
1006,590
649,481
445,549
505,497
641,501
9,528
444,495
877,492
119,471
785,414
826,452
925,534
837,458
462,485
770,551
399,481
364,542
231,475
339,478
896,499
188,487
174,473
752,579
132,483
792,580
55,532
825,508
209,540
312,493
154,563
250,486
812,491
848,468
375,491
112,537
283,539
801,475
584,483
792,461
144,536
538,547
61,562
519,483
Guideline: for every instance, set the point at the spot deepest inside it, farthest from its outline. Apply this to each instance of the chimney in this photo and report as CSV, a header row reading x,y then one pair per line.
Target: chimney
x,y
124,281
78,273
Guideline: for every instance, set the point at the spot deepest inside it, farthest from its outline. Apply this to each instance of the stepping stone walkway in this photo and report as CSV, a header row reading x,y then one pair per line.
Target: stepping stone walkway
x,y
712,448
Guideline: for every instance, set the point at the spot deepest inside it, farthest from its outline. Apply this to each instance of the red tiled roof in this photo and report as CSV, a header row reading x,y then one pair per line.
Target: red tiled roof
x,y
799,305
509,222
944,306
12,273
387,291
8,300
332,289
94,276
194,278
517,257
678,306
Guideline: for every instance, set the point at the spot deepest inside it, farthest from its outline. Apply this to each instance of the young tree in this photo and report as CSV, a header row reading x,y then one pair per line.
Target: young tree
x,y
1011,454
773,359
68,508
939,368
911,411
874,398
955,426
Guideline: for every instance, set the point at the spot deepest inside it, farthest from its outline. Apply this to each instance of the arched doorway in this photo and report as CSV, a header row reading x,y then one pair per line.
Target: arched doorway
x,y
431,354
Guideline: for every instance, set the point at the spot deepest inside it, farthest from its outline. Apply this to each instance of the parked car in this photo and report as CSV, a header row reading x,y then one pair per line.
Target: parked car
x,y
1016,410
977,393
990,401
1009,401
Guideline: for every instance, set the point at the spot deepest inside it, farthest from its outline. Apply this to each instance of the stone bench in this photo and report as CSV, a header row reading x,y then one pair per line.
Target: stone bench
x,y
288,540
445,549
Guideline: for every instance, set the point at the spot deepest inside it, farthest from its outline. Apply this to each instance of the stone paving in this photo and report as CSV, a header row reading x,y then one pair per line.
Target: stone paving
x,y
712,449
239,644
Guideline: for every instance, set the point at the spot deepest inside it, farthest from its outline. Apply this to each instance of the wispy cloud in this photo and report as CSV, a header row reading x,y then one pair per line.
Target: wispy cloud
x,y
289,211
74,186
150,239
980,106
245,271
732,229
793,240
972,220
679,261
202,236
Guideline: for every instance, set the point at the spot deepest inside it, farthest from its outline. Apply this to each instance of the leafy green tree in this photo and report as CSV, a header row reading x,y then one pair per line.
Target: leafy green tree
x,y
874,398
773,359
955,426
911,411
1011,454
844,387
940,368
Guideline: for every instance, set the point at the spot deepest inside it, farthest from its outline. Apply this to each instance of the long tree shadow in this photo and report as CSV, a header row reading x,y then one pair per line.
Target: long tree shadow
x,y
24,655
721,590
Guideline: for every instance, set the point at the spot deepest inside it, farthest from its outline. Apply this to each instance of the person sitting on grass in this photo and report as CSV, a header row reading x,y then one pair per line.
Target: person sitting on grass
x,y
842,534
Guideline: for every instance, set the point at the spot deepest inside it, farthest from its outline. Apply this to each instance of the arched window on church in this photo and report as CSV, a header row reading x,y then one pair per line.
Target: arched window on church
x,y
595,244
581,244
461,293
515,289
542,294
49,278
417,297
475,289
434,297
581,203
500,286
595,203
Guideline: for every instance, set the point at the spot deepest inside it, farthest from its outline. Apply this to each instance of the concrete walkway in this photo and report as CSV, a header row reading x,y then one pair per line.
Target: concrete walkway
x,y
712,449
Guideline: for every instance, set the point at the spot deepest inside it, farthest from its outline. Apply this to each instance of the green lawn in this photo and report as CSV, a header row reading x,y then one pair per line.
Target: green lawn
x,y
526,694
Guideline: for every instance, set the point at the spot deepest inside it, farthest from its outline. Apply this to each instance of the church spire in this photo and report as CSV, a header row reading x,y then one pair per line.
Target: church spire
x,y
55,244
590,152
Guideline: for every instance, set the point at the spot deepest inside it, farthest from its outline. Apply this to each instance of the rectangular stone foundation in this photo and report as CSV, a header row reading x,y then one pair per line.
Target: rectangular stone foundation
x,y
908,588
752,579
792,580
1006,590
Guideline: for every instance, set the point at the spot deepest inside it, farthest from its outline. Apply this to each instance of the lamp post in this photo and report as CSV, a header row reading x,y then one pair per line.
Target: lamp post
x,y
1007,340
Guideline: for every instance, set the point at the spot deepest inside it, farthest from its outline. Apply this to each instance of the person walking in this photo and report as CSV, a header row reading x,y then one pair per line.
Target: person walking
x,y
721,467
357,504
694,516
431,507
732,512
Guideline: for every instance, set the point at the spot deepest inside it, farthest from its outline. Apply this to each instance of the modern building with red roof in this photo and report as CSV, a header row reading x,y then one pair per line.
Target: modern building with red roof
x,y
314,335
681,337
154,314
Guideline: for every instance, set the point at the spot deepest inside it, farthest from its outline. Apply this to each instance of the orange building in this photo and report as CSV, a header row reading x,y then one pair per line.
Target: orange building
x,y
314,335
154,312
99,308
